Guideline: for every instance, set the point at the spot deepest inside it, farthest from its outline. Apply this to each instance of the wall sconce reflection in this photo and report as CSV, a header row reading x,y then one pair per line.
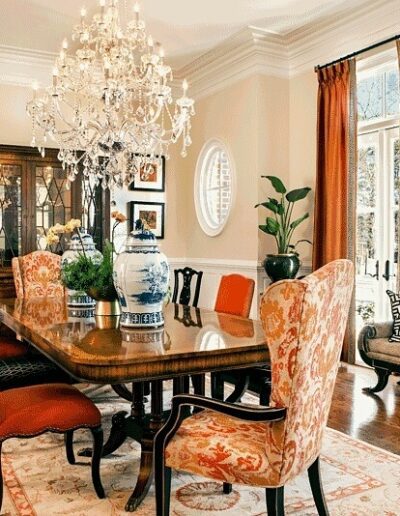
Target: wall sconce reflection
x,y
187,316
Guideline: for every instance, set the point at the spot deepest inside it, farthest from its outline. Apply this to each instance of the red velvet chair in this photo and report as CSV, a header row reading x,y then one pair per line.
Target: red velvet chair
x,y
30,411
235,295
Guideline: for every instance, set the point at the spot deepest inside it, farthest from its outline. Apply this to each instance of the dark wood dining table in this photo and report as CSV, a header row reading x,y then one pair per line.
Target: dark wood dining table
x,y
192,341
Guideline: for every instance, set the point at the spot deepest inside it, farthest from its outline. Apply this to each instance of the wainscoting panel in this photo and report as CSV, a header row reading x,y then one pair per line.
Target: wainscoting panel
x,y
214,269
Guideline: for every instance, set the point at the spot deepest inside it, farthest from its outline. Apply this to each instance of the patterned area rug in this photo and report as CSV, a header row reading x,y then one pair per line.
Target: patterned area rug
x,y
359,480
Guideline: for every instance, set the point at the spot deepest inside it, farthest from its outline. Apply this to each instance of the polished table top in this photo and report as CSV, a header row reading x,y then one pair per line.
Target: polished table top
x,y
191,341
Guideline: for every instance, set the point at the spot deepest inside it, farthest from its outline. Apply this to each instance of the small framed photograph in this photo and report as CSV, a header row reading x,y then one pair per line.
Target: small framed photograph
x,y
151,182
151,212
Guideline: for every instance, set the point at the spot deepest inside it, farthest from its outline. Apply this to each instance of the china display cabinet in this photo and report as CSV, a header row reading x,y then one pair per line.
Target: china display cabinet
x,y
34,196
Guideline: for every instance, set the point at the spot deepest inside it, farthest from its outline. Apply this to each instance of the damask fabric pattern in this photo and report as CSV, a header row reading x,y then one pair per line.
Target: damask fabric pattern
x,y
304,323
38,274
395,306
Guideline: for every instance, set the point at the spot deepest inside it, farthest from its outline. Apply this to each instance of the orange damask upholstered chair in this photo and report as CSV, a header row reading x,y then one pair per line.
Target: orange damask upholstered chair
x,y
304,323
235,294
30,411
38,274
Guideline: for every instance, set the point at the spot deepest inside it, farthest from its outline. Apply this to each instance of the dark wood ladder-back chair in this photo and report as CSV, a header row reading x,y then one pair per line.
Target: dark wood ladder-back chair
x,y
185,293
183,296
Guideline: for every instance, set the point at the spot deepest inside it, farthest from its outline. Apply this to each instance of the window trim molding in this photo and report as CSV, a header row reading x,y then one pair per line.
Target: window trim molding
x,y
208,145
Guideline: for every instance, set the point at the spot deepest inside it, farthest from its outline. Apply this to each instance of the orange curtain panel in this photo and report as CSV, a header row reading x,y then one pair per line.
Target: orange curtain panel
x,y
331,212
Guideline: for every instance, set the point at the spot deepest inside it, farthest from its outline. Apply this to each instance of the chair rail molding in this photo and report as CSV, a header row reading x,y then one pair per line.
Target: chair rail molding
x,y
213,269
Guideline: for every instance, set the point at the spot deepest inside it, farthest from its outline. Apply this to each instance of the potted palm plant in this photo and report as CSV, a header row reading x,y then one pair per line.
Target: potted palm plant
x,y
285,263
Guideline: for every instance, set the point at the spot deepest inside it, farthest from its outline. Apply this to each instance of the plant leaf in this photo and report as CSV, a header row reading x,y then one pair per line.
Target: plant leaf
x,y
277,184
303,240
298,194
272,225
298,221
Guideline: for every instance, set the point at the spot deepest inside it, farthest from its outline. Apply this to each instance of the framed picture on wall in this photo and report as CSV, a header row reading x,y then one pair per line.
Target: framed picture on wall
x,y
154,181
151,212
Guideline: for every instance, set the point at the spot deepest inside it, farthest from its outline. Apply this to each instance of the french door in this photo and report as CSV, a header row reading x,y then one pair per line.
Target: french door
x,y
377,222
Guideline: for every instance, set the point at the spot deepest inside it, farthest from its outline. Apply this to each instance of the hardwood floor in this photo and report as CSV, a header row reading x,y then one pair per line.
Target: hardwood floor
x,y
373,418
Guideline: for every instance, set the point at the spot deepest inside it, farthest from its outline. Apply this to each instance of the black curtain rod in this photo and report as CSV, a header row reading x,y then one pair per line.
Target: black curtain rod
x,y
354,54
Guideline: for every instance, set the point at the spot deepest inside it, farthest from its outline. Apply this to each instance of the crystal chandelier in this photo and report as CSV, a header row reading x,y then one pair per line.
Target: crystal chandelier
x,y
110,108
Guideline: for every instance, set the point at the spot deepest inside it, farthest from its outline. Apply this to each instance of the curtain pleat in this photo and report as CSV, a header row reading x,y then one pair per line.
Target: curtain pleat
x,y
330,240
335,193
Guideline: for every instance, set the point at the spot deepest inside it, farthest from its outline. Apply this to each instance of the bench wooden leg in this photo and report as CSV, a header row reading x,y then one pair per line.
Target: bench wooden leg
x,y
383,378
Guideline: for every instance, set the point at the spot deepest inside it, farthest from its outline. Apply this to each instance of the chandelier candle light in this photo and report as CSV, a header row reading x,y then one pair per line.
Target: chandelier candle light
x,y
110,108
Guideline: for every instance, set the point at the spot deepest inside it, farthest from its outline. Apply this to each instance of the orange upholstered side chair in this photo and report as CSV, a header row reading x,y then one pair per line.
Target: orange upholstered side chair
x,y
235,294
38,274
30,411
234,297
304,323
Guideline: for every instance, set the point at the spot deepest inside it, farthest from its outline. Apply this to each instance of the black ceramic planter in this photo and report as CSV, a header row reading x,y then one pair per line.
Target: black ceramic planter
x,y
281,266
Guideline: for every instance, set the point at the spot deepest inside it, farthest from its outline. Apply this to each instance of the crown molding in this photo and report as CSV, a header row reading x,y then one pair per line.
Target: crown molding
x,y
20,67
329,39
249,52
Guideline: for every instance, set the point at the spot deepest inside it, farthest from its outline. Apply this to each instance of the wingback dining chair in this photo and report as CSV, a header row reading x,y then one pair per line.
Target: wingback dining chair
x,y
234,297
38,274
36,277
304,323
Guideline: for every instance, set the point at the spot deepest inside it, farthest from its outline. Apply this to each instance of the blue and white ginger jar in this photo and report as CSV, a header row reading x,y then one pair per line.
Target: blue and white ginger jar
x,y
141,278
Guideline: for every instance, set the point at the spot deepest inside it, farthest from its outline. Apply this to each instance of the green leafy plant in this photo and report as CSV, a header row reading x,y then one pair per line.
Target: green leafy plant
x,y
280,225
92,277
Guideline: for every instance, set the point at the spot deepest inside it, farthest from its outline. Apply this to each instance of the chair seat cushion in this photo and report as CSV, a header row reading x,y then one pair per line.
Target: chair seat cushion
x,y
12,348
29,411
223,448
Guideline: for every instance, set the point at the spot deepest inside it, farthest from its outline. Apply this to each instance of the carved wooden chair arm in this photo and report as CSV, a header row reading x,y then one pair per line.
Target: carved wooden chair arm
x,y
244,412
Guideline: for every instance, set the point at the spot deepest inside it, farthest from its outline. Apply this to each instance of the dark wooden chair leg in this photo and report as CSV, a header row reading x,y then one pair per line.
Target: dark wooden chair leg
x,y
162,477
217,386
69,448
383,378
275,506
1,480
314,476
227,488
199,384
97,453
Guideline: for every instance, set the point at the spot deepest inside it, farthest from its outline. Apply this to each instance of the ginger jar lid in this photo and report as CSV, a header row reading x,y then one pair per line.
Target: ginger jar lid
x,y
141,236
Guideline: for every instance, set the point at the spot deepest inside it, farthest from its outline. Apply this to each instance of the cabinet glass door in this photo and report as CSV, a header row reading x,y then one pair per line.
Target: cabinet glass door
x,y
53,203
10,213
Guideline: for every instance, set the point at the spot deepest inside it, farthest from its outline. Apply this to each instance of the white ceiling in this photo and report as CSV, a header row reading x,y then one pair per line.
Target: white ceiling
x,y
186,28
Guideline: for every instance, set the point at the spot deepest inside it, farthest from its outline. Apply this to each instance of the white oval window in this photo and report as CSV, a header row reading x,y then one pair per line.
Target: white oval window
x,y
213,192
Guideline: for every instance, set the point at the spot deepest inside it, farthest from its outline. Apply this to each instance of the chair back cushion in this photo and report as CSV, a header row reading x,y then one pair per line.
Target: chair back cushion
x,y
235,294
38,274
304,323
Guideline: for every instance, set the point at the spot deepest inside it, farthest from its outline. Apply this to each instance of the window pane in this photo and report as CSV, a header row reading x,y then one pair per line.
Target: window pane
x,y
370,97
215,187
366,188
366,235
392,93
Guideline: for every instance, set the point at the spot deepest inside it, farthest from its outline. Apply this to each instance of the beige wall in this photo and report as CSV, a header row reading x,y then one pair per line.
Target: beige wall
x,y
15,125
268,124
302,149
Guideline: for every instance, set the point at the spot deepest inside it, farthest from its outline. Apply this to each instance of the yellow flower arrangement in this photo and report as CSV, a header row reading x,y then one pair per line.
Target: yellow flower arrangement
x,y
58,229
